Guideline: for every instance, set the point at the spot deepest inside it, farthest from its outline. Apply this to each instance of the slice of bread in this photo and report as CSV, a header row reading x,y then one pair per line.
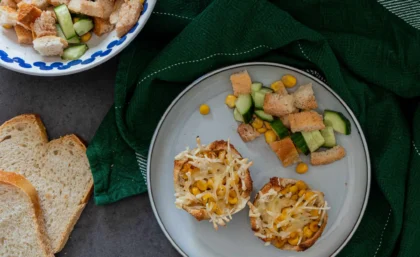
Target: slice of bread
x,y
329,156
305,98
285,151
21,223
306,121
279,105
59,170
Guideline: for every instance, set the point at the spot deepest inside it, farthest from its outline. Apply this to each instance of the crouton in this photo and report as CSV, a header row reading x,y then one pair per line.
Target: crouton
x,y
278,105
241,83
305,98
50,45
285,151
285,121
306,121
94,9
24,36
44,25
281,89
247,132
113,18
52,12
8,16
58,2
329,156
108,7
27,14
41,4
128,16
8,3
102,26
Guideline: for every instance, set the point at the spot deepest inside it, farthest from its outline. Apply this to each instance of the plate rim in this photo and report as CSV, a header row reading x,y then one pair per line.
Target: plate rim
x,y
40,73
278,65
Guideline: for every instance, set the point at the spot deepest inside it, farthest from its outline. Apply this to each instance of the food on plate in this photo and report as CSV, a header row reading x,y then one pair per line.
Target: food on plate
x,y
306,121
20,208
289,80
58,169
285,119
286,151
288,214
212,182
302,168
204,109
329,156
241,83
62,27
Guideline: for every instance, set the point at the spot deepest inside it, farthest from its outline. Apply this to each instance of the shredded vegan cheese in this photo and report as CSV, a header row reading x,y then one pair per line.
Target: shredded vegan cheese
x,y
223,167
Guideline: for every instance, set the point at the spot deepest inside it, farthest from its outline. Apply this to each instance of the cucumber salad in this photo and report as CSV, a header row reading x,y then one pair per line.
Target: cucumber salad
x,y
289,121
64,27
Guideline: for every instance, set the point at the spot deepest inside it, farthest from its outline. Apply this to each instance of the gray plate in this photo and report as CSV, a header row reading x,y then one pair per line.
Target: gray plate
x,y
345,183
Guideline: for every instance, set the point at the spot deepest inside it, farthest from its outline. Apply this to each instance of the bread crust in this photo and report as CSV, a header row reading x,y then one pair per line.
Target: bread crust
x,y
214,146
23,184
279,184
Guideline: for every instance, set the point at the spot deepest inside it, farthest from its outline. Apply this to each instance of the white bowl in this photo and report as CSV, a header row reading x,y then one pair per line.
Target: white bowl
x,y
24,59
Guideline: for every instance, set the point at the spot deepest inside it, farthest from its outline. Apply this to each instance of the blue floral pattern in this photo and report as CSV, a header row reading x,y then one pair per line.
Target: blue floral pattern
x,y
63,66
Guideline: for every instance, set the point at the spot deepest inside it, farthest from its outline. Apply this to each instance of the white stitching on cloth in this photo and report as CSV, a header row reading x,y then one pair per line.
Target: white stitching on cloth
x,y
142,163
174,15
202,59
415,147
303,52
382,234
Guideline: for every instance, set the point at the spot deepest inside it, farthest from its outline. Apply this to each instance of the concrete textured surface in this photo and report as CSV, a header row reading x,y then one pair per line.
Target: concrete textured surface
x,y
77,104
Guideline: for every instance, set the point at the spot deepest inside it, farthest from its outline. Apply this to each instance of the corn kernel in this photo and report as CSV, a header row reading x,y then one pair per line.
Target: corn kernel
x,y
270,136
302,168
277,85
262,130
202,185
307,232
210,183
279,243
232,193
233,200
207,198
7,26
267,124
221,191
281,217
230,101
309,195
236,178
218,211
288,80
294,197
301,185
293,234
293,241
301,192
195,191
257,123
86,37
294,189
285,210
313,226
204,109
284,191
314,213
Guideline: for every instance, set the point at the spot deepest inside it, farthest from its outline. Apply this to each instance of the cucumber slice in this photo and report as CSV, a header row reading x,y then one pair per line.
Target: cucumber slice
x,y
73,40
83,26
258,99
74,52
237,115
279,129
313,139
300,143
329,137
245,107
264,116
65,21
266,90
256,86
338,121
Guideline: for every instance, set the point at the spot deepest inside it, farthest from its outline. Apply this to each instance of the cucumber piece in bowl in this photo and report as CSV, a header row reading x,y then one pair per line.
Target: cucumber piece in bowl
x,y
65,21
256,86
338,121
73,40
300,143
237,116
313,139
329,137
83,26
245,107
279,128
74,52
258,99
266,90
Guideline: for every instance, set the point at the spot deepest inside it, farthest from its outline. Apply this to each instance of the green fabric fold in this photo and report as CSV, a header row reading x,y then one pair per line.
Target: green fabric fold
x,y
367,55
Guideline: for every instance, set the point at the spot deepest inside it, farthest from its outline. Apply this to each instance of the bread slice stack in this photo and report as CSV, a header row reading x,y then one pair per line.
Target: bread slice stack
x,y
58,170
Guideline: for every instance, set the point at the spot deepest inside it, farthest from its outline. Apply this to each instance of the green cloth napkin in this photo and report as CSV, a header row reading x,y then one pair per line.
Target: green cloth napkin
x,y
367,54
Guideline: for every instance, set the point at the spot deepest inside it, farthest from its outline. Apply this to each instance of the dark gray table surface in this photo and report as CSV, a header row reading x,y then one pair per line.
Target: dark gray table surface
x,y
77,104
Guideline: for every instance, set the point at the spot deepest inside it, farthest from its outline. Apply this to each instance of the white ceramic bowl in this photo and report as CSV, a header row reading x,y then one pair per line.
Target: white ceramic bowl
x,y
24,59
